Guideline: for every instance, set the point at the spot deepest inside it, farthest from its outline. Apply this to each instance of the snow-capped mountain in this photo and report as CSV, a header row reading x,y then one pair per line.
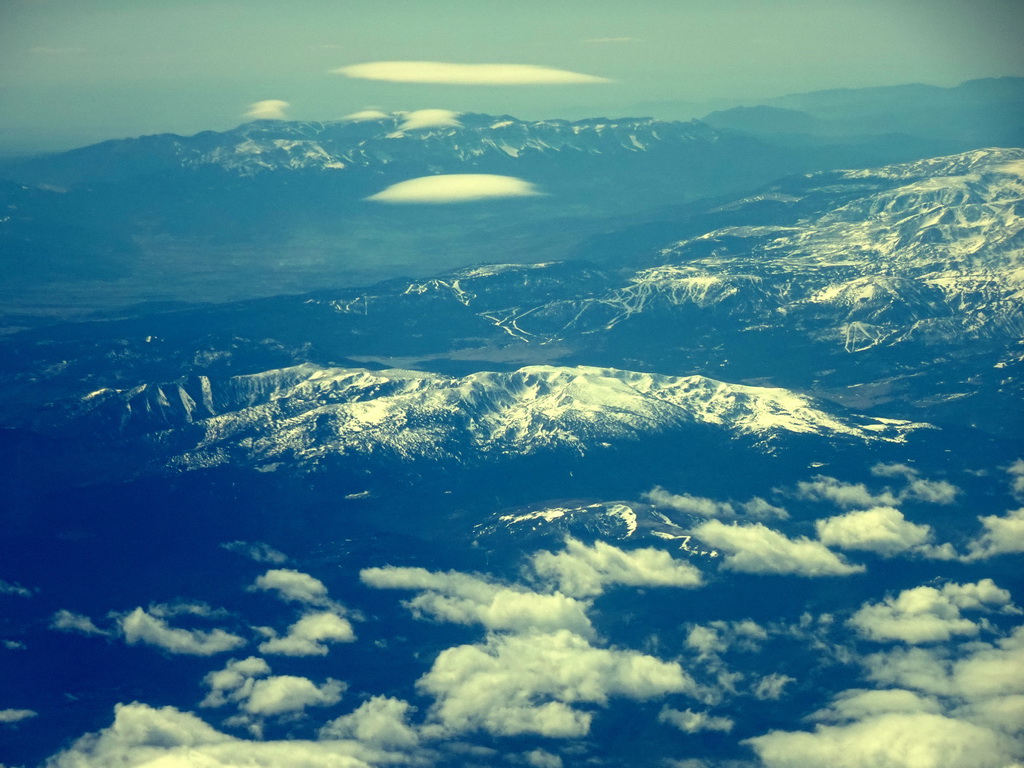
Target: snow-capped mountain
x,y
857,281
400,140
300,415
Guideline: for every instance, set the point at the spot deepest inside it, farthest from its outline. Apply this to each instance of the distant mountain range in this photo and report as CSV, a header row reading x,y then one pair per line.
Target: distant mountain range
x,y
173,218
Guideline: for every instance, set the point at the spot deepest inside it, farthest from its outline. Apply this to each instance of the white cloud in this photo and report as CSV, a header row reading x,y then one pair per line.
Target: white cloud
x,y
771,687
824,488
893,470
140,627
942,712
699,505
520,684
929,491
926,614
366,115
455,188
758,507
257,550
288,693
16,715
6,588
1016,473
382,722
464,599
464,74
293,585
583,571
759,549
182,608
883,530
421,119
539,758
689,721
859,703
168,738
988,671
717,637
268,109
307,636
249,684
684,502
234,682
66,621
1002,536
890,740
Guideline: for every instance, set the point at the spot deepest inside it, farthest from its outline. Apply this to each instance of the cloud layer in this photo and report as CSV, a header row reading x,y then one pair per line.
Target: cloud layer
x,y
440,72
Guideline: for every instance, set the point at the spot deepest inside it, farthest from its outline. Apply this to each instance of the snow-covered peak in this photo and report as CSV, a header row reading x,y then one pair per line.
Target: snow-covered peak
x,y
305,413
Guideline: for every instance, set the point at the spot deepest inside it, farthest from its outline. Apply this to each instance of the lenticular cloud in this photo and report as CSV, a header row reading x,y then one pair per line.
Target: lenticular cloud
x,y
455,188
465,74
268,109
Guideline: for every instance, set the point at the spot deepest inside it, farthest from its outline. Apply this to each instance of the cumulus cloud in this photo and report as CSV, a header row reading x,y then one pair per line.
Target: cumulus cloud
x,y
582,571
896,739
67,621
771,687
1002,536
699,505
858,703
421,119
758,549
268,109
464,74
381,721
855,495
928,615
465,599
258,551
526,684
140,627
455,188
309,635
1016,473
234,682
539,758
689,721
16,715
987,671
718,637
293,585
7,588
939,711
883,530
758,507
684,502
287,693
168,738
918,488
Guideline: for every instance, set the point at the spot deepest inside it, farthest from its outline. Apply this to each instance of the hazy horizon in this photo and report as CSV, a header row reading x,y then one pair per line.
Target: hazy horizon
x,y
71,76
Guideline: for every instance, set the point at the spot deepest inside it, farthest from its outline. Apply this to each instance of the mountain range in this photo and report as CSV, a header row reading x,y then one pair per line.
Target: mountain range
x,y
714,446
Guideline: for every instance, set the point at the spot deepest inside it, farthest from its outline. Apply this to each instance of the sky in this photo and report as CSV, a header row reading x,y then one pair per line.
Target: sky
x,y
73,73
